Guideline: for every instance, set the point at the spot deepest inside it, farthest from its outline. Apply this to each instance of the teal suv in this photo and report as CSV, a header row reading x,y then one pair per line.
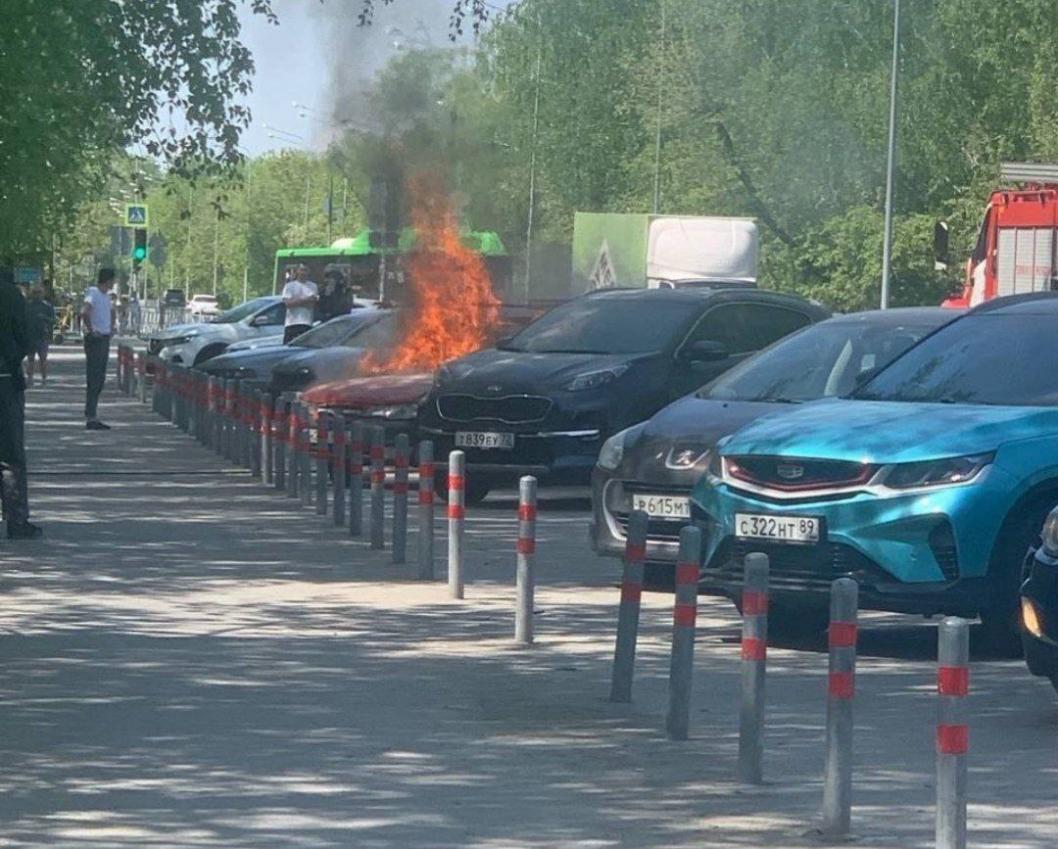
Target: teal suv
x,y
928,484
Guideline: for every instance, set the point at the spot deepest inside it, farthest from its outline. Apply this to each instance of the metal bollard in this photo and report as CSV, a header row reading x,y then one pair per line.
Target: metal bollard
x,y
754,666
213,395
338,467
400,498
953,738
305,457
227,403
280,435
141,377
356,479
156,395
265,442
426,502
256,420
525,575
624,655
378,486
457,463
293,447
237,437
323,460
841,687
684,618
249,430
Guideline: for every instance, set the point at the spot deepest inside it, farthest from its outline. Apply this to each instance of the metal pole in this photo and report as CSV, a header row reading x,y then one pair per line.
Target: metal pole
x,y
293,447
281,430
400,498
187,250
377,454
532,159
754,664
257,419
624,656
841,687
216,248
338,465
267,405
456,517
356,480
887,246
304,457
953,685
426,502
657,133
525,574
684,616
330,206
323,460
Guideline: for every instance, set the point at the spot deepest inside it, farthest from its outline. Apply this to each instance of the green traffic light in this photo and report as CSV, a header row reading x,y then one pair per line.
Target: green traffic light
x,y
139,254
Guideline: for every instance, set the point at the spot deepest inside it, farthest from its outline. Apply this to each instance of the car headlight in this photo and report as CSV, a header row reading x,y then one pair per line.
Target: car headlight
x,y
595,379
396,412
613,449
714,466
947,472
1049,534
176,340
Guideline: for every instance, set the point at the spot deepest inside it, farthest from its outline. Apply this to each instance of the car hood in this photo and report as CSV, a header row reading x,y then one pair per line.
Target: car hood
x,y
382,390
324,364
201,330
259,342
260,359
890,431
494,371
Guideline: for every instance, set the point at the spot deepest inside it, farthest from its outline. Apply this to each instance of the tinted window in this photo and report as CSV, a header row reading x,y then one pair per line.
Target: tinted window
x,y
829,357
607,326
241,311
373,334
993,358
743,328
333,332
274,315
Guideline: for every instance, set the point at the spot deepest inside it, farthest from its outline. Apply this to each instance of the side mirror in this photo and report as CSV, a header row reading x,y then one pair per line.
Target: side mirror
x,y
940,246
704,351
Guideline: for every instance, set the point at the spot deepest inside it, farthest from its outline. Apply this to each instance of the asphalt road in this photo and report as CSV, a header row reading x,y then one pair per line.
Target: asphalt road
x,y
189,660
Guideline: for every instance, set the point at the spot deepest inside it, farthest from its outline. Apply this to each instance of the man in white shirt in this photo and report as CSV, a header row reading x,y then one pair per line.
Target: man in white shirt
x,y
97,321
301,296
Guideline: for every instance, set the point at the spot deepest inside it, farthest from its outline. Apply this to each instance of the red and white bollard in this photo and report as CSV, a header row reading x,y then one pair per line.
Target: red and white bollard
x,y
684,618
426,510
841,688
754,666
953,737
338,467
401,449
323,459
525,579
456,519
624,657
141,377
356,479
377,453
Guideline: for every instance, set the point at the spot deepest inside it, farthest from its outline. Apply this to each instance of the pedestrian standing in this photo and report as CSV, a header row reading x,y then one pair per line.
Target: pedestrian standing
x,y
40,324
97,317
14,346
300,296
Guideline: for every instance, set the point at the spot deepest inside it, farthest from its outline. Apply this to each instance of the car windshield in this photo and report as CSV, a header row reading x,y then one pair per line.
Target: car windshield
x,y
606,326
242,311
1008,359
373,335
334,332
829,359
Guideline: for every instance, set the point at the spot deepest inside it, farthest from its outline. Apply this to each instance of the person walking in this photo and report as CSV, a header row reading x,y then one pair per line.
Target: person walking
x,y
40,324
97,317
300,296
14,346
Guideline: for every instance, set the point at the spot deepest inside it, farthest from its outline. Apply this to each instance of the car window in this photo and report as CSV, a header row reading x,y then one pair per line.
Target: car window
x,y
747,327
333,332
990,358
374,334
241,311
272,316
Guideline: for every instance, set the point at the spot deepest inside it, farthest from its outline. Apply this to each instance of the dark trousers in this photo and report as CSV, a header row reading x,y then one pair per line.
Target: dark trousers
x,y
96,353
293,331
13,487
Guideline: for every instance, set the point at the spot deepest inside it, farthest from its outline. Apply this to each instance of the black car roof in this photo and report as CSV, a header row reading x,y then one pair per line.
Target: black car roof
x,y
697,295
894,317
1035,303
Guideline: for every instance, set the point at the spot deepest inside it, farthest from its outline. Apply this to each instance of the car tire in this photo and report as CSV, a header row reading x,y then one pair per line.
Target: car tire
x,y
207,353
1000,623
477,488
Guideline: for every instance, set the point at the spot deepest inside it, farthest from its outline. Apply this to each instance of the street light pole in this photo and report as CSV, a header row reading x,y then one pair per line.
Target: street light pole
x,y
532,158
216,248
657,134
887,246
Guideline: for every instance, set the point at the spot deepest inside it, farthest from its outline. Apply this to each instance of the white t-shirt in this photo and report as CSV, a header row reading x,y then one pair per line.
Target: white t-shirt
x,y
297,289
99,310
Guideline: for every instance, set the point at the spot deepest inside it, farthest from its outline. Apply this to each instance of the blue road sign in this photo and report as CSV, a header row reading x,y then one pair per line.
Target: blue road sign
x,y
135,215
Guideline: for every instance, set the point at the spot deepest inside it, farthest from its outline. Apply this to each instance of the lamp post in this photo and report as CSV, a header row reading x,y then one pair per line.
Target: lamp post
x,y
887,246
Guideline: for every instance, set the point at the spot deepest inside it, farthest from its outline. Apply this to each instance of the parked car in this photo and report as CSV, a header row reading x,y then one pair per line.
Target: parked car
x,y
927,485
272,341
1039,603
193,344
304,368
203,306
544,401
652,466
174,298
256,365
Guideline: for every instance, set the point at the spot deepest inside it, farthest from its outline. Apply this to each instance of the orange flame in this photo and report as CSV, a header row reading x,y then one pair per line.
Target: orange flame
x,y
449,308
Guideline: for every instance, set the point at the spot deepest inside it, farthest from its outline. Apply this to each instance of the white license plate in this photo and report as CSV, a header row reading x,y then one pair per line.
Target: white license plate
x,y
477,439
777,528
663,506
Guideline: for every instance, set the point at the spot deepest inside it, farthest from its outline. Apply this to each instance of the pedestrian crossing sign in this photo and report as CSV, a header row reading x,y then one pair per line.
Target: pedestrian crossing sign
x,y
135,215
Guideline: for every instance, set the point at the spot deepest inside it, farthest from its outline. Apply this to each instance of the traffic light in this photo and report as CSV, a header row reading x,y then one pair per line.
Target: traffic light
x,y
139,245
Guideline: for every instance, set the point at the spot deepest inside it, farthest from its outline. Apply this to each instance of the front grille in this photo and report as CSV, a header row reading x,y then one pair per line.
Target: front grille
x,y
794,568
658,530
942,544
511,409
794,473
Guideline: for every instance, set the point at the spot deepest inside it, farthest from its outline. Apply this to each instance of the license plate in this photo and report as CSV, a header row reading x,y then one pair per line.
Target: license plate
x,y
477,439
804,529
663,506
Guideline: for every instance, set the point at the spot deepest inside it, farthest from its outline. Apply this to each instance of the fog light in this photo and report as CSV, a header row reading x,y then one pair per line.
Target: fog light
x,y
1031,618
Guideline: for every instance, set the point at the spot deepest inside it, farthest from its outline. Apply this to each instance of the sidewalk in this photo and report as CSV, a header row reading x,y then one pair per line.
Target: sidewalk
x,y
190,660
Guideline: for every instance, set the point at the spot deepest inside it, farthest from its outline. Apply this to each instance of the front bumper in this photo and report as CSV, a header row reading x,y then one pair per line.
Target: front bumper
x,y
912,552
610,520
1041,590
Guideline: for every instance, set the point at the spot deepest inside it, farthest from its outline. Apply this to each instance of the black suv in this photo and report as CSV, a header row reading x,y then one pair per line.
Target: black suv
x,y
544,401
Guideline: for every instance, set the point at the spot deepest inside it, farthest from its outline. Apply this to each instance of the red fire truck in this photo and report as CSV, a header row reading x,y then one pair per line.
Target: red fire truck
x,y
1015,249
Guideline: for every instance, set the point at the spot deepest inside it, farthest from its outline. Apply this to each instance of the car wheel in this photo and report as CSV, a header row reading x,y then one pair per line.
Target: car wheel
x,y
477,488
1000,623
209,352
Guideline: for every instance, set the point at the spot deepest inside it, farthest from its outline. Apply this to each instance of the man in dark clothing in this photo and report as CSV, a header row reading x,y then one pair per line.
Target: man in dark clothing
x,y
97,318
14,345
